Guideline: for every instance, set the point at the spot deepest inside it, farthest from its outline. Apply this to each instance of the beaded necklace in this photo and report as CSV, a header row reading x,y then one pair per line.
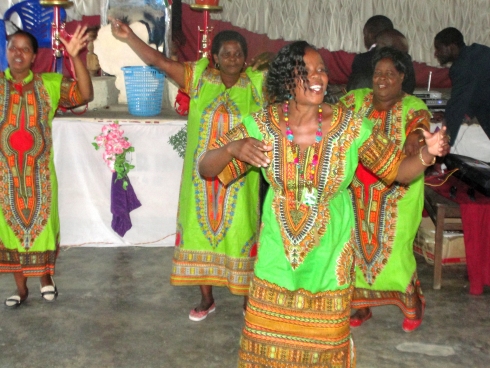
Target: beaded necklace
x,y
294,153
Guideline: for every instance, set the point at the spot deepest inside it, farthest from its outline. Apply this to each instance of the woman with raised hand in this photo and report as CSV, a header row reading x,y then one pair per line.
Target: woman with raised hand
x,y
299,300
29,223
217,225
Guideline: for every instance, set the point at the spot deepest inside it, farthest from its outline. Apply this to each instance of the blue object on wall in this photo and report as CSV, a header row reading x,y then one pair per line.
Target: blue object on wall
x,y
3,46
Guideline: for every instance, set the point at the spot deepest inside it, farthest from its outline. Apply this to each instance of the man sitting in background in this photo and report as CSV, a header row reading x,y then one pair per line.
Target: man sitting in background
x,y
470,93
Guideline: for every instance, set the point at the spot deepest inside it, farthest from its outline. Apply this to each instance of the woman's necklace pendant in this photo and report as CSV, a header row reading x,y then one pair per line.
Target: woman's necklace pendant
x,y
309,196
290,154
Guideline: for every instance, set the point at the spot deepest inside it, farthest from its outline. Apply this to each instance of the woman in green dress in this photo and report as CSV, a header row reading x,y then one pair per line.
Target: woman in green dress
x,y
299,301
29,223
388,216
217,225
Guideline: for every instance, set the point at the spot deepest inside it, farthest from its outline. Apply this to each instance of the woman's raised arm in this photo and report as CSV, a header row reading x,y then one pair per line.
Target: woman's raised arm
x,y
77,42
174,69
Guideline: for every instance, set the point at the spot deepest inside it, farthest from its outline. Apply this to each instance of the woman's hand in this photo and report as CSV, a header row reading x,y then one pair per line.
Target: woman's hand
x,y
412,166
412,144
250,150
77,42
261,61
437,143
119,29
149,55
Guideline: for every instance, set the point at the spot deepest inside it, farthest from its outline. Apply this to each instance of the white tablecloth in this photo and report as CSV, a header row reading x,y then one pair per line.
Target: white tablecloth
x,y
84,182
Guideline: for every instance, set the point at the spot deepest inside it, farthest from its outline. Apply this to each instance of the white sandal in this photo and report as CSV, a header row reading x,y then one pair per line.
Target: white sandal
x,y
14,301
49,292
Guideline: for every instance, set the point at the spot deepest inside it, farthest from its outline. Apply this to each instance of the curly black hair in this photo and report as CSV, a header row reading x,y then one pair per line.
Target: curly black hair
x,y
225,36
284,69
399,58
29,36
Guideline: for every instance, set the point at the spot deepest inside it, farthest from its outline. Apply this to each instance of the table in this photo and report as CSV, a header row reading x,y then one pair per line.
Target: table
x,y
440,209
84,179
475,217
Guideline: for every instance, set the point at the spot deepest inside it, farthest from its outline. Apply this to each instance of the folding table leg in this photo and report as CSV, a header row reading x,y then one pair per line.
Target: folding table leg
x,y
439,237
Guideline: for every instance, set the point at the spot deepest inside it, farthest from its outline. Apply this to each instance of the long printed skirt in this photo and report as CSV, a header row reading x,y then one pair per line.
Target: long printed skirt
x,y
296,328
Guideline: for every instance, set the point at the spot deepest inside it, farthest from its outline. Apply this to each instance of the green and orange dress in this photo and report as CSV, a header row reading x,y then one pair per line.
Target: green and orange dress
x,y
299,301
29,223
387,216
217,225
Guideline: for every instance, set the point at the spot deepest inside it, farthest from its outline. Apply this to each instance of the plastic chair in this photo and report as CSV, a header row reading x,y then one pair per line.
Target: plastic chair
x,y
35,19
3,46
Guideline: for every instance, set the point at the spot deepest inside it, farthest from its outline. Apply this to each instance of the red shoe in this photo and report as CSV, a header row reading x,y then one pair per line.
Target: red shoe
x,y
356,321
410,325
197,316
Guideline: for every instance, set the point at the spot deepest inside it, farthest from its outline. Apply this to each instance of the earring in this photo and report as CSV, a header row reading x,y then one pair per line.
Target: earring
x,y
216,66
326,92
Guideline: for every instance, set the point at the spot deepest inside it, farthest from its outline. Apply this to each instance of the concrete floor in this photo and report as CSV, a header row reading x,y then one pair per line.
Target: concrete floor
x,y
116,308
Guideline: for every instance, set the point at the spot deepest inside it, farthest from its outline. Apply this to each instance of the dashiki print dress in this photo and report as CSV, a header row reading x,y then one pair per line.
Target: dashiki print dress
x,y
217,225
387,216
299,302
29,223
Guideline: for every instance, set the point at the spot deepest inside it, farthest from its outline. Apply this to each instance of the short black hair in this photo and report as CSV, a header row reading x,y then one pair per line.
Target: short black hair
x,y
284,69
450,36
32,39
378,23
225,36
399,58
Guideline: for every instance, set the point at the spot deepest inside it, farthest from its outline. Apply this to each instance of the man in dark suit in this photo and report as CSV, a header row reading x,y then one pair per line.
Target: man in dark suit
x,y
362,69
470,78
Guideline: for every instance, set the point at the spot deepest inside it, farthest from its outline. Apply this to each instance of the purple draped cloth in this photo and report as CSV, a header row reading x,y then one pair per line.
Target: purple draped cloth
x,y
122,203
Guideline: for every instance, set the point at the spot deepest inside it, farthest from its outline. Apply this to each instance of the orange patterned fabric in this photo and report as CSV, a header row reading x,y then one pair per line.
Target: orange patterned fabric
x,y
296,329
217,224
299,306
301,225
29,224
387,216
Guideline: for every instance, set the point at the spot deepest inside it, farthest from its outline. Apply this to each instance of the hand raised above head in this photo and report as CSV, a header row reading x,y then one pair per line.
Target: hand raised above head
x,y
119,29
77,42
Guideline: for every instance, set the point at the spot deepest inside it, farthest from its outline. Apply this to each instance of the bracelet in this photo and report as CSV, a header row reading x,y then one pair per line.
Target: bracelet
x,y
422,159
418,128
423,130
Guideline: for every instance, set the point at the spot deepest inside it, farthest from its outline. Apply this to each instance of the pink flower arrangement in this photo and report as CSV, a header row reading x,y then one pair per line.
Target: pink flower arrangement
x,y
115,148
